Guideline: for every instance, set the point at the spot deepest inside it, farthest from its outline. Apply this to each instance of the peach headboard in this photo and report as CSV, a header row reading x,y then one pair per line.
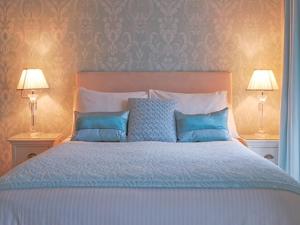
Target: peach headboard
x,y
184,82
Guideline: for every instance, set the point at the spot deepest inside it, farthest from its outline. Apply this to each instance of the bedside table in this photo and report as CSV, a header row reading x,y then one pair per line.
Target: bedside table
x,y
26,145
267,146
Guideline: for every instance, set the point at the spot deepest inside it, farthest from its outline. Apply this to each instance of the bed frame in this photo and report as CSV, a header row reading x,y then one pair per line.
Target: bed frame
x,y
184,82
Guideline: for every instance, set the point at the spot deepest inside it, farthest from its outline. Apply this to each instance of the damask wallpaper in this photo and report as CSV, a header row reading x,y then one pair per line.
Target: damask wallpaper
x,y
65,36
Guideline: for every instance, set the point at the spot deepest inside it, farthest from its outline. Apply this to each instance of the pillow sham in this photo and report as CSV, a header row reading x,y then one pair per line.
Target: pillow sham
x,y
101,126
199,103
94,101
151,120
202,127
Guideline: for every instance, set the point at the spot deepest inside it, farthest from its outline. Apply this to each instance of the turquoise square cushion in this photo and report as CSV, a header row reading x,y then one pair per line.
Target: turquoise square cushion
x,y
151,120
101,127
202,127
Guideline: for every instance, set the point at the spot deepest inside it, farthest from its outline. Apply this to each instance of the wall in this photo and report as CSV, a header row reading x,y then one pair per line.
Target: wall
x,y
65,36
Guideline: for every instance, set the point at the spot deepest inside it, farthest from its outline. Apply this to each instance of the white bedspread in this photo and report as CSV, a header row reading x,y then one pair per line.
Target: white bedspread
x,y
150,206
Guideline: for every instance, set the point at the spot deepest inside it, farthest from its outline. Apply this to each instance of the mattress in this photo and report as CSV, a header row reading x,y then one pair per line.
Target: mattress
x,y
35,192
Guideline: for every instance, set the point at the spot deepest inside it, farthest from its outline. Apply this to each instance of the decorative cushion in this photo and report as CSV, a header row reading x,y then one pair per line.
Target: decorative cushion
x,y
199,103
101,126
151,120
202,127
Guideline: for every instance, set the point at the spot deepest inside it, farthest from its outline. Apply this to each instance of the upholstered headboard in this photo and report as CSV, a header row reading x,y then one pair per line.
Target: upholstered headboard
x,y
184,82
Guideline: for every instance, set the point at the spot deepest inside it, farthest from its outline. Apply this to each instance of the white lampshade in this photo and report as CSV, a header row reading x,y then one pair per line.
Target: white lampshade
x,y
32,79
262,80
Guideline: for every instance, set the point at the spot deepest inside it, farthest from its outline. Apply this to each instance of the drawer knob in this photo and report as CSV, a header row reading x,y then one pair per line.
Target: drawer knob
x,y
269,156
31,155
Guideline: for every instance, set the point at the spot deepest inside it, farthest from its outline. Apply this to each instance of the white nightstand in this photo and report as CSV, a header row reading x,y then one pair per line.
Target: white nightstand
x,y
267,146
26,145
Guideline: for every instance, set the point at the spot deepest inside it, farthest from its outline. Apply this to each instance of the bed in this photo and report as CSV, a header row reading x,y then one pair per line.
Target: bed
x,y
157,183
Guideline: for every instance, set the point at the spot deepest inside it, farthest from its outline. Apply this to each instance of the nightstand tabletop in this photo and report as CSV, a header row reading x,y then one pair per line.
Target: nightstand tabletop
x,y
264,137
35,137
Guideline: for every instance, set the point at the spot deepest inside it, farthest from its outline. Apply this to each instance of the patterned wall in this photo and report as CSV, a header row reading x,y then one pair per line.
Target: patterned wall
x,y
65,36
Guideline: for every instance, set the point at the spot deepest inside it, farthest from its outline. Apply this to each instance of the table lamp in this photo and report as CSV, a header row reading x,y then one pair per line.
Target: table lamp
x,y
32,80
262,80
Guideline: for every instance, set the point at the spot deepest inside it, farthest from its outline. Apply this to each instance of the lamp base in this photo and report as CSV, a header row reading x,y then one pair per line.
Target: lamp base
x,y
34,133
261,133
33,107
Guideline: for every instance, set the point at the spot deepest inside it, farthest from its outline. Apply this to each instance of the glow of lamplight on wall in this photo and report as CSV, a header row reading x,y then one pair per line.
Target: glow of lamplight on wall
x,y
250,43
42,45
48,104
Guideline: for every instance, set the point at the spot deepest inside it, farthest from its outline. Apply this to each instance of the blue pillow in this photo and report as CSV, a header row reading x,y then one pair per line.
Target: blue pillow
x,y
202,127
104,127
151,120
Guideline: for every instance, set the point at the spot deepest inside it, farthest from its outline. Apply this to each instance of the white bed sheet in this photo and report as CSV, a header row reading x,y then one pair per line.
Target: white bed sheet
x,y
120,206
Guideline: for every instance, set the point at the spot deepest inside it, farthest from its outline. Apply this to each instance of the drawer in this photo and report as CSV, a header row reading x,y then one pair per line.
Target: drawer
x,y
268,153
27,145
21,154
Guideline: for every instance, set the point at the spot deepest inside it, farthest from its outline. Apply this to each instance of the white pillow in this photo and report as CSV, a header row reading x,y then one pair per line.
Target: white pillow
x,y
94,101
199,103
